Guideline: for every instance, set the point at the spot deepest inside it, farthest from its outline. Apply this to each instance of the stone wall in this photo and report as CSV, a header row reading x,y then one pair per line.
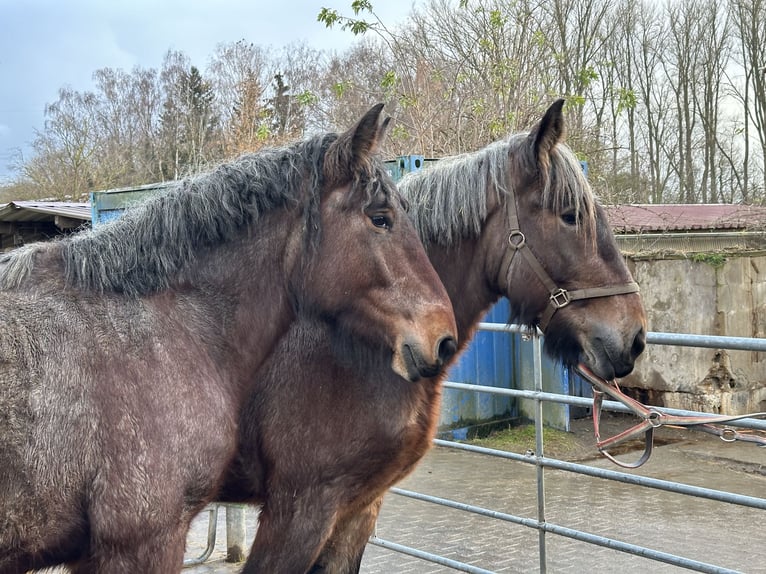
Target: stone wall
x,y
710,295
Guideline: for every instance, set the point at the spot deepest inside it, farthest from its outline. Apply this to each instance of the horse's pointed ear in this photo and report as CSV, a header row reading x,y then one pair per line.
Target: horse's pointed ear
x,y
353,149
549,131
368,134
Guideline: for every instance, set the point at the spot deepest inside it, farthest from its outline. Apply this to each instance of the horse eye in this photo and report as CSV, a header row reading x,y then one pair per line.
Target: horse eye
x,y
570,217
381,221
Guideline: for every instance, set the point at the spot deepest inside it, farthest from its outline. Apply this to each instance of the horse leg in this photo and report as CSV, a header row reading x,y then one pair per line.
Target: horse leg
x,y
342,553
291,533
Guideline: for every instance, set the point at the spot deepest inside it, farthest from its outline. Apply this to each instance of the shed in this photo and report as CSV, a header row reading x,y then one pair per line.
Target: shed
x,y
28,221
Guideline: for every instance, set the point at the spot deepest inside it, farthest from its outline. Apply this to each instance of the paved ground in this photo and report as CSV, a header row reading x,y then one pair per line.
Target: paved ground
x,y
733,537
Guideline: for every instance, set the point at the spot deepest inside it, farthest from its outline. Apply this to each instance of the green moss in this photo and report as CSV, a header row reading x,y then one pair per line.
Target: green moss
x,y
715,260
519,439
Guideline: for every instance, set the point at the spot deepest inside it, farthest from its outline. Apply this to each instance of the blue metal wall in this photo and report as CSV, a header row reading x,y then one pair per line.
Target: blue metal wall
x,y
487,361
109,204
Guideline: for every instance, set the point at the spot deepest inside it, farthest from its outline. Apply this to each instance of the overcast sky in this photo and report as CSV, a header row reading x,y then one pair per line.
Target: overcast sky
x,y
48,44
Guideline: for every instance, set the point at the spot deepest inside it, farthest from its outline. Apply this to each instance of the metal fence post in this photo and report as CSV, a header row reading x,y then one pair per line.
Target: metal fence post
x,y
539,454
235,532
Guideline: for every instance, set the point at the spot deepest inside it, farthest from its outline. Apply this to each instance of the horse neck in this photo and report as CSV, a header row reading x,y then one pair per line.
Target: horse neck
x,y
242,289
463,271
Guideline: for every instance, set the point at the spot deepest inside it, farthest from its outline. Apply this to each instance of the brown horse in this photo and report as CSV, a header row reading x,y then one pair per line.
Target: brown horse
x,y
126,352
515,219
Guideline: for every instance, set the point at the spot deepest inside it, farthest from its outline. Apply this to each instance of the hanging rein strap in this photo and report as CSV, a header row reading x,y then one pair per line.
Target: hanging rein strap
x,y
558,297
652,419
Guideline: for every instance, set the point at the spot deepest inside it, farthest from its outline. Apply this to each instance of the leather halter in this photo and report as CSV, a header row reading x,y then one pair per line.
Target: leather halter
x,y
559,297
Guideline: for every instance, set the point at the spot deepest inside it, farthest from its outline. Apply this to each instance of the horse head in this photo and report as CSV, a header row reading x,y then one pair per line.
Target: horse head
x,y
562,269
368,273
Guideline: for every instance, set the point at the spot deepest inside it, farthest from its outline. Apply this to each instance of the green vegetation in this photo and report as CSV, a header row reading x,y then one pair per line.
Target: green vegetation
x,y
522,438
715,260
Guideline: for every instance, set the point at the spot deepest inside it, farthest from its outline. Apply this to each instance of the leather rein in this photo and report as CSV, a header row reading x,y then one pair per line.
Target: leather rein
x,y
653,418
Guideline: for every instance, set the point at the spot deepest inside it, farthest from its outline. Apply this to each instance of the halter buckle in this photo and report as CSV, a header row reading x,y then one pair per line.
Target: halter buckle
x,y
560,298
516,239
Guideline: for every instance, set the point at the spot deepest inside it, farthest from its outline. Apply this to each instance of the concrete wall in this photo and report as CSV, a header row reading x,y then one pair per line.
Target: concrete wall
x,y
699,297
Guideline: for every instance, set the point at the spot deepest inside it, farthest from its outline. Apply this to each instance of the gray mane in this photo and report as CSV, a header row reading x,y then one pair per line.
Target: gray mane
x,y
148,245
448,201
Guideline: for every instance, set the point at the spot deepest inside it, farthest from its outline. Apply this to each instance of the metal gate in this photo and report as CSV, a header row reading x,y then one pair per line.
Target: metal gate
x,y
755,538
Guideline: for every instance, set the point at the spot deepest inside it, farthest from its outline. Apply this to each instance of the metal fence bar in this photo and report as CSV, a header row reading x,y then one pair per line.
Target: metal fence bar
x,y
706,341
212,525
660,338
758,424
617,476
427,556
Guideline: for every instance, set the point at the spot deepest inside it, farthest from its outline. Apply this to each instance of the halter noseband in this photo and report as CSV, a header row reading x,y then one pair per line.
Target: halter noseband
x,y
559,297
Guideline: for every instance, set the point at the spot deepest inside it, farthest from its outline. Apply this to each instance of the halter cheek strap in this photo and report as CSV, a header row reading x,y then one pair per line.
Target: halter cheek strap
x,y
559,297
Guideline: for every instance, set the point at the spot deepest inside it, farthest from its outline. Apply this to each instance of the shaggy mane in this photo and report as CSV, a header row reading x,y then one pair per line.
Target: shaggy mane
x,y
146,247
448,200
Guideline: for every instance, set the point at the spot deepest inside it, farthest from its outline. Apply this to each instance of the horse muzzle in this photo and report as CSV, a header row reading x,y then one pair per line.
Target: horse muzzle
x,y
413,362
611,358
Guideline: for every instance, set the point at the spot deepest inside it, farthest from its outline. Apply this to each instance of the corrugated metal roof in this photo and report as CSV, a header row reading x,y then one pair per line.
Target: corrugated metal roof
x,y
685,217
44,210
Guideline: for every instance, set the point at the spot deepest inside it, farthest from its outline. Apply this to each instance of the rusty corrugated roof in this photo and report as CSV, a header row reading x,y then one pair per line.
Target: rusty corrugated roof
x,y
643,218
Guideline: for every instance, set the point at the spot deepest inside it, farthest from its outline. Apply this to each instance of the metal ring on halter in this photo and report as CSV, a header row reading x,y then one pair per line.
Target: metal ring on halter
x,y
521,242
728,434
655,419
560,298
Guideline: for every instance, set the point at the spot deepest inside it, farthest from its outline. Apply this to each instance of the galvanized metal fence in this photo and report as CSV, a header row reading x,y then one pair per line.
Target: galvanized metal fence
x,y
541,462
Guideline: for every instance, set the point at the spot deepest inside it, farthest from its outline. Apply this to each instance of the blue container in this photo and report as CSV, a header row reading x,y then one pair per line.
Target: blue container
x,y
555,379
110,204
486,361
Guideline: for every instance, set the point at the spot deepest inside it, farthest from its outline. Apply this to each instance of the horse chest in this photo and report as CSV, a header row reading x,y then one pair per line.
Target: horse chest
x,y
410,433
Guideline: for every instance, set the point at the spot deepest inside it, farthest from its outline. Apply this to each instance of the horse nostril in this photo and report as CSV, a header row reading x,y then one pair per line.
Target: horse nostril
x,y
447,349
639,343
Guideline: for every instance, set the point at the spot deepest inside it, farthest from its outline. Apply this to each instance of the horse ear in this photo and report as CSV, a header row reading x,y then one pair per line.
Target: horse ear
x,y
549,131
368,135
353,149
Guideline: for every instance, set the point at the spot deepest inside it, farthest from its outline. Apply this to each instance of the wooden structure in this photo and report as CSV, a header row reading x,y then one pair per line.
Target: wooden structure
x,y
28,221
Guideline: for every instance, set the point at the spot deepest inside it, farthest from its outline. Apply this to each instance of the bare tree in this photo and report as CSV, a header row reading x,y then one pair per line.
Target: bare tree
x,y
667,101
749,24
713,46
128,114
239,73
65,150
681,68
188,121
576,41
653,96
